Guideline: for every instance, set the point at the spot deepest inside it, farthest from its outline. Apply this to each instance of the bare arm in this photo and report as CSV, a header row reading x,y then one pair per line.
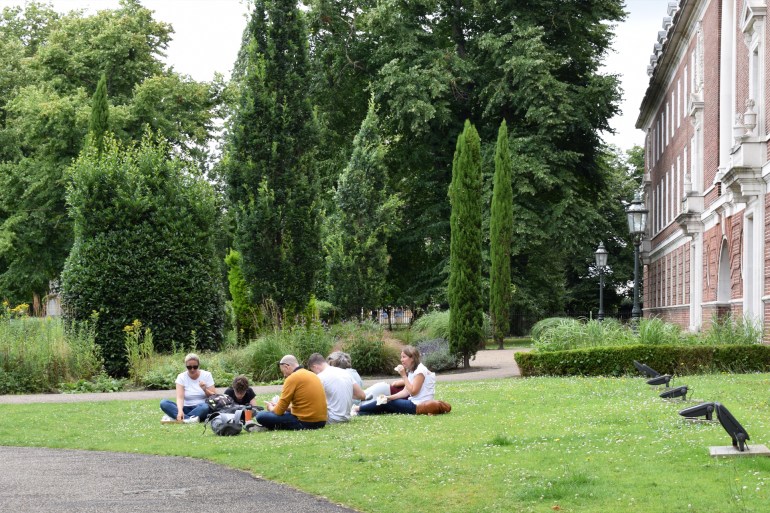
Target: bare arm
x,y
358,392
180,402
412,387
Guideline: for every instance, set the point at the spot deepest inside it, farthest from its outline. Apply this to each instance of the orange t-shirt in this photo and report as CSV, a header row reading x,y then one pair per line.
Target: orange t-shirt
x,y
305,392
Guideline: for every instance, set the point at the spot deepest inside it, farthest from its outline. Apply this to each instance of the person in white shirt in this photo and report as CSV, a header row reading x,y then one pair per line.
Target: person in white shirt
x,y
192,389
419,387
339,387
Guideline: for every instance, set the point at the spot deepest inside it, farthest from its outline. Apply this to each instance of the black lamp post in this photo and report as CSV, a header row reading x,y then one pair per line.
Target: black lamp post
x,y
601,263
637,223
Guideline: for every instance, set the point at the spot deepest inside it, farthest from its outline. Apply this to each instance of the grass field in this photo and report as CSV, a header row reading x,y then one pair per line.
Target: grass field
x,y
524,445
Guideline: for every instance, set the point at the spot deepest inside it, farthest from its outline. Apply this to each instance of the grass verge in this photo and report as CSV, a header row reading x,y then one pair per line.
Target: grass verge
x,y
525,445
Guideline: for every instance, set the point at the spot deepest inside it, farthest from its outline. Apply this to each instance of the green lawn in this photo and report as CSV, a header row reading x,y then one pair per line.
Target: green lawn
x,y
538,444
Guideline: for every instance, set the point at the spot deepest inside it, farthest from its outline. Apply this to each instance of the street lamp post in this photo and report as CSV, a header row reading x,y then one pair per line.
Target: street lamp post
x,y
601,262
637,223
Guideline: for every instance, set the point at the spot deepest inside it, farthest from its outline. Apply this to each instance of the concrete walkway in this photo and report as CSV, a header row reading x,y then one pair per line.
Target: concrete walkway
x,y
489,364
39,480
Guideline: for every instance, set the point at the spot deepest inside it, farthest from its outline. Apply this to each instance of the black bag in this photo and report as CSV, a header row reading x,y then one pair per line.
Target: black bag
x,y
225,424
218,402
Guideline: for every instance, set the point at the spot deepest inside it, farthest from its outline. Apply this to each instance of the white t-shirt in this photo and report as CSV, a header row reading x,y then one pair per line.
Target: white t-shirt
x,y
193,393
428,386
338,386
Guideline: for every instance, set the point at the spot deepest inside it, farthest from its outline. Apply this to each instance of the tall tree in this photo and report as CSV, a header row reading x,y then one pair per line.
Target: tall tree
x,y
100,115
269,161
432,65
466,315
358,231
49,69
500,239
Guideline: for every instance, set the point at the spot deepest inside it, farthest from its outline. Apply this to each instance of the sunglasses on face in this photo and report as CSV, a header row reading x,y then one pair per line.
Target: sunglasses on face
x,y
192,367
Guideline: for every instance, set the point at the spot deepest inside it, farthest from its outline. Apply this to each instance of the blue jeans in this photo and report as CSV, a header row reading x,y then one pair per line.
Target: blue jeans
x,y
169,408
286,421
404,406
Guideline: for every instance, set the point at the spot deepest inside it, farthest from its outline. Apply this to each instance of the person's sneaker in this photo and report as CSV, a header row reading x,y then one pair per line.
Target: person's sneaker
x,y
191,420
167,420
253,427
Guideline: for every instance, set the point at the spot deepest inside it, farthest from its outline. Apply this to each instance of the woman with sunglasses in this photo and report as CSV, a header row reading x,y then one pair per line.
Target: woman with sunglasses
x,y
192,389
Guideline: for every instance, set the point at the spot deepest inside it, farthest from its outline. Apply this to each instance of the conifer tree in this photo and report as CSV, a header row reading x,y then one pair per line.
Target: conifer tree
x,y
466,315
100,115
269,162
358,231
500,238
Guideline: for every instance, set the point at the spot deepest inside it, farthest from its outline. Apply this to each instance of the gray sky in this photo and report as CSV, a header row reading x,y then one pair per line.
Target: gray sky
x,y
207,36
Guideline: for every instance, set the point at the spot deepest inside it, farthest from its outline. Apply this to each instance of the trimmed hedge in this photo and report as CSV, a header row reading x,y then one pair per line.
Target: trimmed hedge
x,y
617,361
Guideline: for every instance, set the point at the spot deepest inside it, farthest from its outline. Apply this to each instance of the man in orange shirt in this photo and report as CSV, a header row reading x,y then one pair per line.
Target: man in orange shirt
x,y
302,404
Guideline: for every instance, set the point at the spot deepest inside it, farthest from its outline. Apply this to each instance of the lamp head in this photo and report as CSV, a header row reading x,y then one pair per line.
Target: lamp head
x,y
601,256
637,216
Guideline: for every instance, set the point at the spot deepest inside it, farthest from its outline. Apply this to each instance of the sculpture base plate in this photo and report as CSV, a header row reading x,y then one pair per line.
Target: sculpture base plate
x,y
729,451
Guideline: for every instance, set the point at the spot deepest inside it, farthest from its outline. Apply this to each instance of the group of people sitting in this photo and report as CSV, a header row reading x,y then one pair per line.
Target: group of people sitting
x,y
328,391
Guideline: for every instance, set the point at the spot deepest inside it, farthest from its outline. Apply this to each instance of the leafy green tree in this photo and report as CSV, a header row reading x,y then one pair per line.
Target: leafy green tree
x,y
100,115
466,311
144,231
500,239
269,162
432,65
49,66
366,215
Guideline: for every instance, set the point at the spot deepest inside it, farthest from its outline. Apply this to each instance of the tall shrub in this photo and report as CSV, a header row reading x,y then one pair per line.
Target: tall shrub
x,y
244,309
144,226
465,304
358,231
500,239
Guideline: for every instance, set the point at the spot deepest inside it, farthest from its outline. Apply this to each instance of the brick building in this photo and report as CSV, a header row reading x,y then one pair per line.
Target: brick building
x,y
707,164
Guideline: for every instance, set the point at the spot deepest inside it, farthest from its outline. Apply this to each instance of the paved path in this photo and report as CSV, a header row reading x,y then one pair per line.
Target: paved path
x,y
39,480
490,364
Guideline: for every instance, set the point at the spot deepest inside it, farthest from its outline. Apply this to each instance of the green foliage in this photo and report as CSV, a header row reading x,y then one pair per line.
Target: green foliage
x,y
465,304
98,384
556,334
433,324
269,163
49,68
100,115
669,359
365,217
36,355
731,330
144,227
500,239
435,355
369,354
139,350
243,309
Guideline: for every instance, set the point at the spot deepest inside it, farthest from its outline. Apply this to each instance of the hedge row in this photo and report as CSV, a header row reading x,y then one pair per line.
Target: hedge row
x,y
617,361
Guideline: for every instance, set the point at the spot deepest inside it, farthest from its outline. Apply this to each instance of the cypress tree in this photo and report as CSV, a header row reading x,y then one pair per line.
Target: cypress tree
x,y
500,238
365,217
466,333
269,162
100,115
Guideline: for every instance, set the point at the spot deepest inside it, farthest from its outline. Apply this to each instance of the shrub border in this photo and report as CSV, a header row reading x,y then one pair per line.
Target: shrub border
x,y
618,361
